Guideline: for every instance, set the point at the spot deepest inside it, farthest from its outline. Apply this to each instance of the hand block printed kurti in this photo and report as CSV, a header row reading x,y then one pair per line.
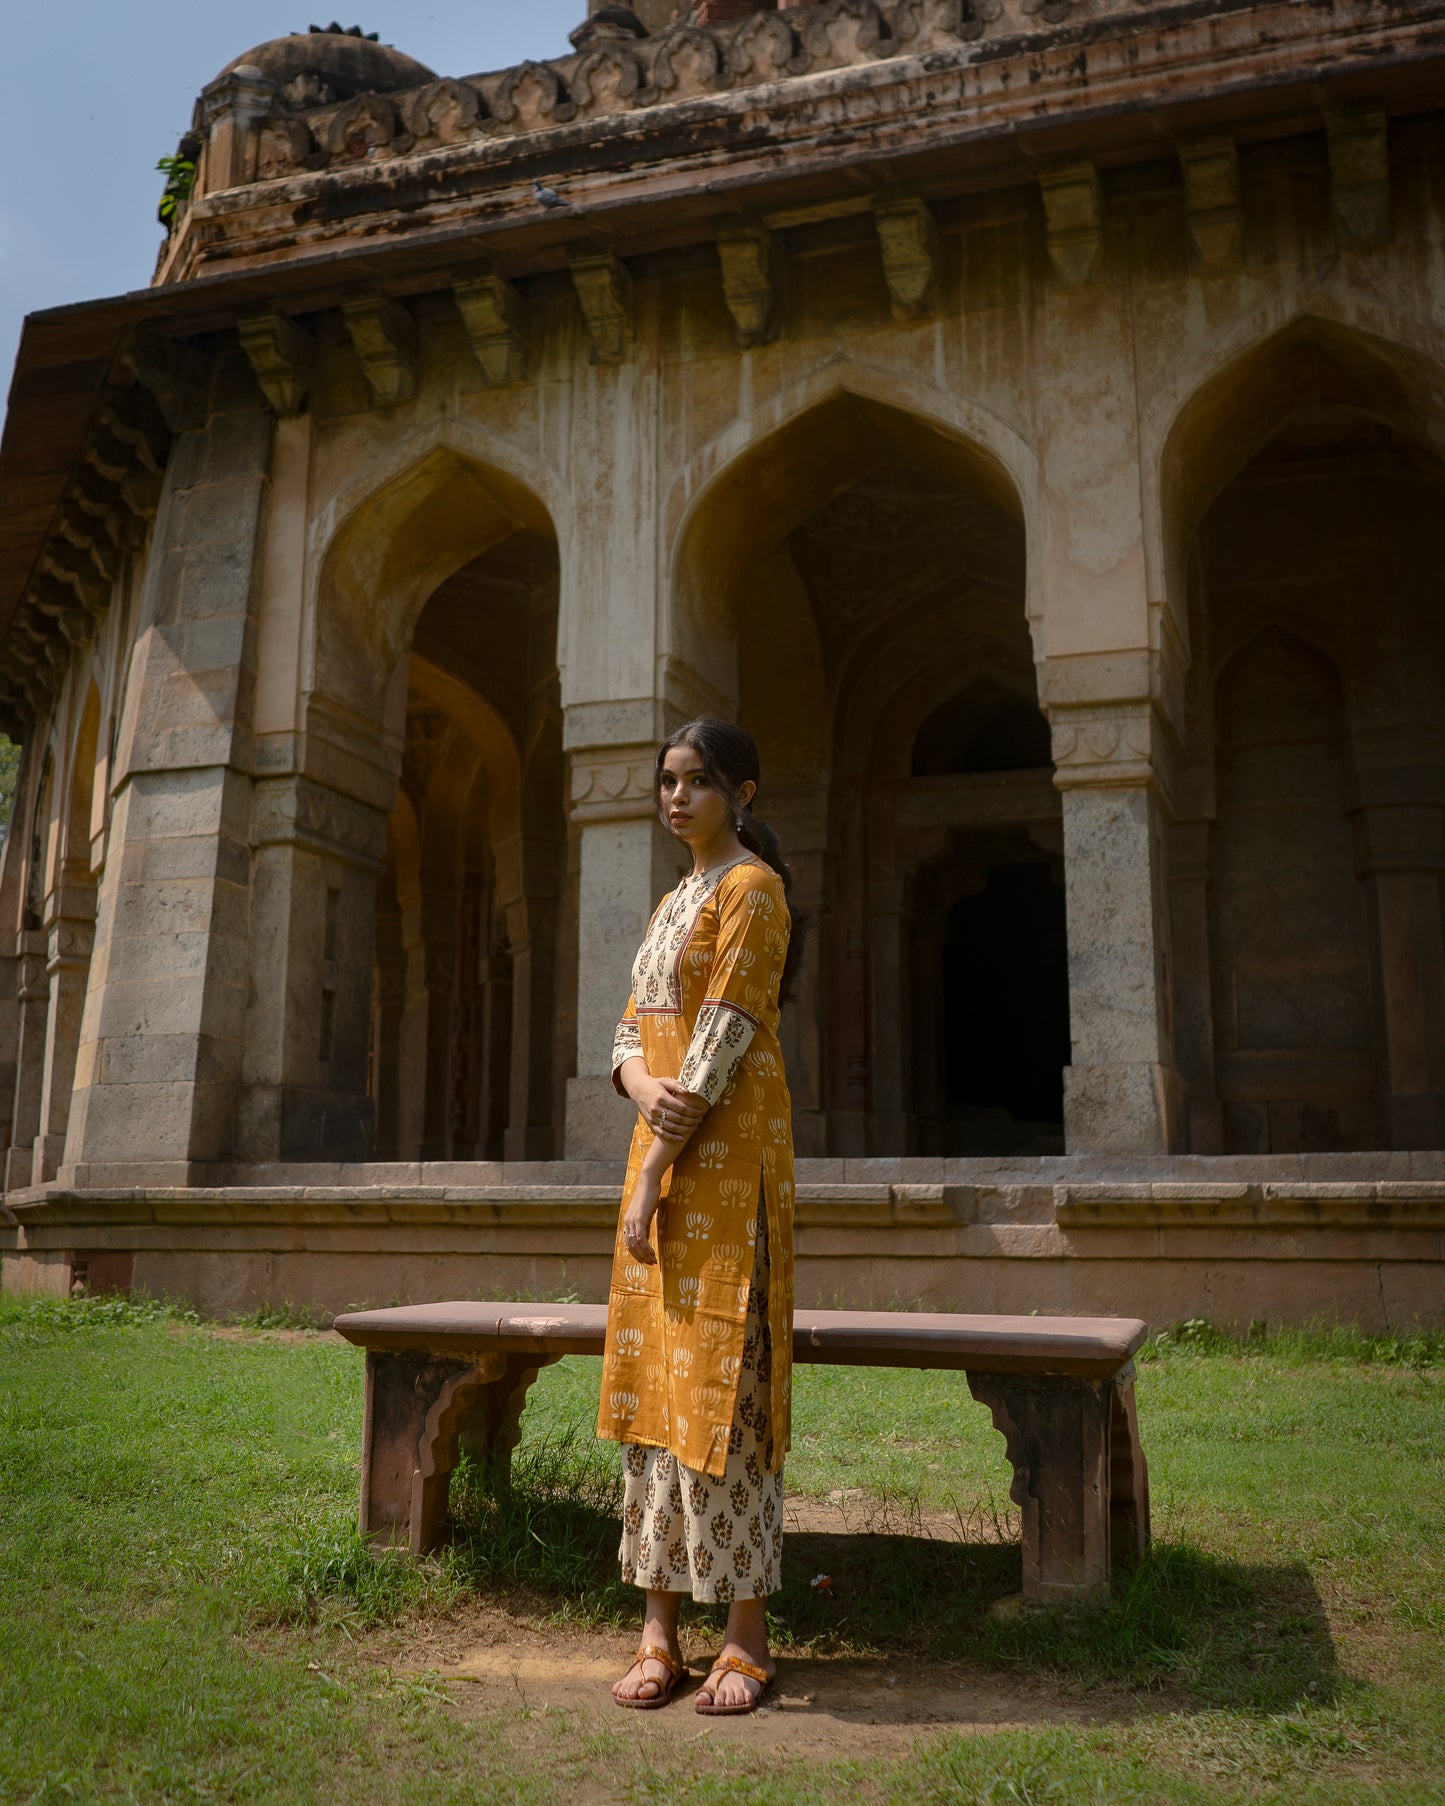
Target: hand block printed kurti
x,y
704,1011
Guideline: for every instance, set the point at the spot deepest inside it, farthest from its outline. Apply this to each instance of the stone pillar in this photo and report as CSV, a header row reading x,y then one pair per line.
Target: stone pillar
x,y
159,1069
1401,853
531,936
317,856
1122,1094
1193,974
70,932
33,999
627,862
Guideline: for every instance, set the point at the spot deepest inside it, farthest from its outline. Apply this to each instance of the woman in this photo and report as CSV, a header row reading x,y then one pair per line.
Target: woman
x,y
697,1377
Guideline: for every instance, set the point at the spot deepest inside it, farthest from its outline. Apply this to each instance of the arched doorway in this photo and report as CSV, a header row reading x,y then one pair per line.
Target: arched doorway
x,y
1309,935
857,582
464,1038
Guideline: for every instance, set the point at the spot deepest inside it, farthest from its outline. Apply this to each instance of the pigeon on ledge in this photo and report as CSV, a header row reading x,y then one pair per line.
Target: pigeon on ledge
x,y
546,197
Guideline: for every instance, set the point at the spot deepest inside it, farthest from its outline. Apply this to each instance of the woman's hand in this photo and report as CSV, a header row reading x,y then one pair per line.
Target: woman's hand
x,y
637,1218
669,1111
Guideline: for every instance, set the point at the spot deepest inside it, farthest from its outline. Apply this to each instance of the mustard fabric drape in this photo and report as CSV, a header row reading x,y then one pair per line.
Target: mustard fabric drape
x,y
704,1011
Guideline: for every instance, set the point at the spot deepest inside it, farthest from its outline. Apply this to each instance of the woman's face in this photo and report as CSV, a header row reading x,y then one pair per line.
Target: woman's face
x,y
692,806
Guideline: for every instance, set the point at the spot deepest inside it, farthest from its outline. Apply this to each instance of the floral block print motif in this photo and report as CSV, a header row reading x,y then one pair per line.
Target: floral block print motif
x,y
718,1539
704,1011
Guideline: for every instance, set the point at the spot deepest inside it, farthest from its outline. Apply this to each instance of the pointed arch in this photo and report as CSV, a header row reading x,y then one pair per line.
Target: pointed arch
x,y
1215,419
765,472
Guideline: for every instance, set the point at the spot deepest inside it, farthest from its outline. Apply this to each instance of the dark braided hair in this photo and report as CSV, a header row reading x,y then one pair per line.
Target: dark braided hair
x,y
729,756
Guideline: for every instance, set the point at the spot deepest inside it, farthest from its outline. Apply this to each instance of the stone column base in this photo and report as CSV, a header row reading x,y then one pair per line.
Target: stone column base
x,y
1123,1109
599,1122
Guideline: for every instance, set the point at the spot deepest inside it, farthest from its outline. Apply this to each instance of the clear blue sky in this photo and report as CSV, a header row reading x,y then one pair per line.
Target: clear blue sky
x,y
96,93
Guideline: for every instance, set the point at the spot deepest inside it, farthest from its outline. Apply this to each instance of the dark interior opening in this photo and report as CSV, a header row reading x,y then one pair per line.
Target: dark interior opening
x,y
984,728
1006,1014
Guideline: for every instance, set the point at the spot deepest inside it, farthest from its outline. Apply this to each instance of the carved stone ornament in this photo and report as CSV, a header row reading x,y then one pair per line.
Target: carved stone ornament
x,y
1073,207
496,320
688,62
613,784
1211,200
444,112
385,339
765,49
1054,12
531,97
604,288
842,32
362,128
908,240
607,80
748,254
1108,748
922,25
284,147
283,358
1360,175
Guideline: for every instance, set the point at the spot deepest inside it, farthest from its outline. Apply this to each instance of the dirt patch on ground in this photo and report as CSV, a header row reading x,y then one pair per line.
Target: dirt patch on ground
x,y
828,1706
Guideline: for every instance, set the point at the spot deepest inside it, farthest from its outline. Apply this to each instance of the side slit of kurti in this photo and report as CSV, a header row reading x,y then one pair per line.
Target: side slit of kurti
x,y
717,1537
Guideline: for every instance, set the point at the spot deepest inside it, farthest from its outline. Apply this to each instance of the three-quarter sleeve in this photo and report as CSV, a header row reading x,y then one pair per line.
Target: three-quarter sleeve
x,y
625,1043
747,968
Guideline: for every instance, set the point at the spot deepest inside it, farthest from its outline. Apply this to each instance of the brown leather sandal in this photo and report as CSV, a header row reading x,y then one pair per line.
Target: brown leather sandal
x,y
650,1652
731,1665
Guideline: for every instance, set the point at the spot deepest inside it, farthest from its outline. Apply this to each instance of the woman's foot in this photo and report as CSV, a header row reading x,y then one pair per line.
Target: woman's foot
x,y
734,1689
650,1679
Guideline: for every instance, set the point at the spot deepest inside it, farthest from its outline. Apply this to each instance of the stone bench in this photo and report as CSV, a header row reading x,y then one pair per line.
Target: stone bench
x,y
1061,1391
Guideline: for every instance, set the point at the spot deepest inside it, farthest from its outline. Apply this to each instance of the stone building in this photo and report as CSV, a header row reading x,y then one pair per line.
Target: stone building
x,y
1027,416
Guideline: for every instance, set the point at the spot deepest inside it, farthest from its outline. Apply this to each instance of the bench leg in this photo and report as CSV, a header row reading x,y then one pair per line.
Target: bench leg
x,y
1058,1436
1128,1475
420,1410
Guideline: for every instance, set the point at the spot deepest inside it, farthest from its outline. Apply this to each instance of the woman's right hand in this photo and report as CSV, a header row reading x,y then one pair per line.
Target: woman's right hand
x,y
661,1103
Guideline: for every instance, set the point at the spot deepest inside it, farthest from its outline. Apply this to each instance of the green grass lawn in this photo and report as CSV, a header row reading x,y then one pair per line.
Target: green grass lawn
x,y
186,1613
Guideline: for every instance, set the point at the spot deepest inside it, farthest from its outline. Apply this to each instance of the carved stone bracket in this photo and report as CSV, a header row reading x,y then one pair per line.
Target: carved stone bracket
x,y
384,336
497,324
751,271
604,289
1073,208
1360,175
1080,1481
283,357
1211,201
908,239
613,783
176,374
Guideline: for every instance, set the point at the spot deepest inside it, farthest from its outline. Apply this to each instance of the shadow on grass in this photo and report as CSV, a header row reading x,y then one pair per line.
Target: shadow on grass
x,y
1201,1632
1208,1633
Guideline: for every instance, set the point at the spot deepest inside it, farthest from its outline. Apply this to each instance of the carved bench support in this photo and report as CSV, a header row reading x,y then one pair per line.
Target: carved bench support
x,y
1079,1478
419,1410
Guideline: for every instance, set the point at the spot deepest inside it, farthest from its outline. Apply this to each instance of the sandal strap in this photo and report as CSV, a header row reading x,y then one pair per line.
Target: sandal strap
x,y
736,1665
650,1652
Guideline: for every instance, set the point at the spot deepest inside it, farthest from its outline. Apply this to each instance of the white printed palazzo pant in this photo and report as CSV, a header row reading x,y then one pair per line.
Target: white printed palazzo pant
x,y
719,1539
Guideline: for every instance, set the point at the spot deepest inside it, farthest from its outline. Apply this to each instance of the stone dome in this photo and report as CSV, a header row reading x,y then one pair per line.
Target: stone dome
x,y
317,68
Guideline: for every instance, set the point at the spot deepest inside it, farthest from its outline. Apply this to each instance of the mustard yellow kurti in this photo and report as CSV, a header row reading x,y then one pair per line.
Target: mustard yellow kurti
x,y
704,1011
